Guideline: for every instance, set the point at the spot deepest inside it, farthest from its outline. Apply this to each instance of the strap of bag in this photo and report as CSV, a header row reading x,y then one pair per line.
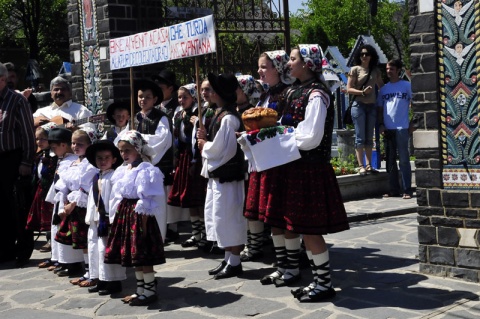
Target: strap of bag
x,y
364,82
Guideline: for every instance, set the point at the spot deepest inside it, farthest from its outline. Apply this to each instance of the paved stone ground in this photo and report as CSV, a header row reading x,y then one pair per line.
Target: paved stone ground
x,y
375,272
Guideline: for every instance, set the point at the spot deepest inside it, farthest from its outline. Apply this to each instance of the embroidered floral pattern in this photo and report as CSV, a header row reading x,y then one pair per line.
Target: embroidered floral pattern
x,y
257,136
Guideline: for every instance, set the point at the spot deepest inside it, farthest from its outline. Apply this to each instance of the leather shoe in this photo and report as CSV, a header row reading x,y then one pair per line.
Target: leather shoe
x,y
63,273
101,285
59,268
217,269
229,271
111,288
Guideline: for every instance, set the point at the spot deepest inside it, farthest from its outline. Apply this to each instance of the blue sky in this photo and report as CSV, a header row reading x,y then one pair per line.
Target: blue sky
x,y
294,5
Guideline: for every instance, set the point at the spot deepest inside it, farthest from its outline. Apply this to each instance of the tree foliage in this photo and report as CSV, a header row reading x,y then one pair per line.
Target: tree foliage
x,y
340,22
39,27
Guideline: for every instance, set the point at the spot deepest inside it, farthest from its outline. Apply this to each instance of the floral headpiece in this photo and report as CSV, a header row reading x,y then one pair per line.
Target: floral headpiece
x,y
247,84
47,127
191,89
312,55
136,139
280,59
92,133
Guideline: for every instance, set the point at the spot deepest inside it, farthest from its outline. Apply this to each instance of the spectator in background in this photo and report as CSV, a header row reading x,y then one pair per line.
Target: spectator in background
x,y
17,149
12,83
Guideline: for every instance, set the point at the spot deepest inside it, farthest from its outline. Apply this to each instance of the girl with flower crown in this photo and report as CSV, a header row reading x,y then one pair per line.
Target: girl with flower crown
x,y
138,200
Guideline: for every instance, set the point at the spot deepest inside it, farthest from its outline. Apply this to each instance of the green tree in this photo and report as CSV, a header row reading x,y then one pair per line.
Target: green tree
x,y
340,22
39,27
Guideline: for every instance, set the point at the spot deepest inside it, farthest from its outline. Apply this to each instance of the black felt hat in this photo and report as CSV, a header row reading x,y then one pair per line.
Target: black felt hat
x,y
103,145
145,84
224,85
60,135
166,77
120,105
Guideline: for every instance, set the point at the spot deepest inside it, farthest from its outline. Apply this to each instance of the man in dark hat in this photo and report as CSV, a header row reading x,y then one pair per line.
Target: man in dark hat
x,y
223,163
166,80
17,149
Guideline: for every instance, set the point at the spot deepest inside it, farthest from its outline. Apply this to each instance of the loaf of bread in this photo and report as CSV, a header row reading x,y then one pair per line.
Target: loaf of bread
x,y
259,117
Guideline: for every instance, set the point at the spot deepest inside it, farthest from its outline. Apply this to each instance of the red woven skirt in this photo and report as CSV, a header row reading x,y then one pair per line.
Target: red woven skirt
x,y
304,198
40,214
73,230
260,186
129,244
189,188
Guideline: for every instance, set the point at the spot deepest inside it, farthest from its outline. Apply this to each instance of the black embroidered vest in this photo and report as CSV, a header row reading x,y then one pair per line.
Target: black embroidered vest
x,y
148,125
294,113
234,169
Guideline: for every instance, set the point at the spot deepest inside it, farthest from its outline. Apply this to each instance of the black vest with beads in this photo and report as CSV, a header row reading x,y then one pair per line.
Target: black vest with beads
x,y
294,113
234,169
148,125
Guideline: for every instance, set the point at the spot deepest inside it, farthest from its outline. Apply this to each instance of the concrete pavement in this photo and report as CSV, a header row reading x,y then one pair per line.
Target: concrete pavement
x,y
374,270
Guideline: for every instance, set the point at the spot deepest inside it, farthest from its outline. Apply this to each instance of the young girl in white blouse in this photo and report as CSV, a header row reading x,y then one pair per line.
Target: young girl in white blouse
x,y
106,157
138,198
72,192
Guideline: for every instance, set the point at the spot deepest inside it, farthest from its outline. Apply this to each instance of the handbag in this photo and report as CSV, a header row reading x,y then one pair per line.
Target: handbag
x,y
347,117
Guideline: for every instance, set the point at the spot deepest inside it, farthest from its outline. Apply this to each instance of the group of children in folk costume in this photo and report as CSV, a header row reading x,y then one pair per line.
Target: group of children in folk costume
x,y
88,194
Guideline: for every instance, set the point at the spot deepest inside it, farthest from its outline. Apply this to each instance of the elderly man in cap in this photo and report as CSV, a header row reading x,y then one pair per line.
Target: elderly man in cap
x,y
17,149
62,105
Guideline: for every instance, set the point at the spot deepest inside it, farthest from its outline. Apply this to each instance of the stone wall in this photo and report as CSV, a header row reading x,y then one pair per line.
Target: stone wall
x,y
113,18
448,219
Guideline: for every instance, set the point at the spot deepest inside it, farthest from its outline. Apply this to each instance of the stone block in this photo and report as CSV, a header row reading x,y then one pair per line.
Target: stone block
x,y
422,24
462,212
426,153
415,60
435,163
468,258
428,178
430,105
430,211
429,38
422,253
422,196
421,163
434,198
126,25
423,220
431,120
429,62
427,235
464,274
425,139
432,97
454,198
447,222
448,236
475,199
441,256
73,31
424,82
116,11
468,238
436,270
472,223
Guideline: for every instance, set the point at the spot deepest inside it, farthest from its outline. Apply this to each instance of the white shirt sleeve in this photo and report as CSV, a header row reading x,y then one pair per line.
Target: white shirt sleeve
x,y
161,141
309,132
223,147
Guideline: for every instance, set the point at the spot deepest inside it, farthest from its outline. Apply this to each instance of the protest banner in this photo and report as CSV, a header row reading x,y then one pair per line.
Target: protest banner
x,y
184,40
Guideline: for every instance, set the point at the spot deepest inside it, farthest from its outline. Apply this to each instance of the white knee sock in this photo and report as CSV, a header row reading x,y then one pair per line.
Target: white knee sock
x,y
293,256
150,284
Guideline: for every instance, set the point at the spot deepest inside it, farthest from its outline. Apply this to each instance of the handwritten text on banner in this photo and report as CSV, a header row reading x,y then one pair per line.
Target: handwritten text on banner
x,y
183,40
